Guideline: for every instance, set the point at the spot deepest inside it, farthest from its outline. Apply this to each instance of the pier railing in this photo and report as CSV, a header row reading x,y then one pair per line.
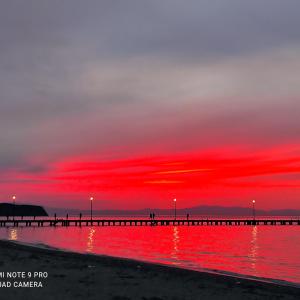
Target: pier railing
x,y
147,222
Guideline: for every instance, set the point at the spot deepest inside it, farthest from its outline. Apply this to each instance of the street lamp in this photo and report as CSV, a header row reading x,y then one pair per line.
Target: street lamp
x,y
175,212
14,202
253,209
91,199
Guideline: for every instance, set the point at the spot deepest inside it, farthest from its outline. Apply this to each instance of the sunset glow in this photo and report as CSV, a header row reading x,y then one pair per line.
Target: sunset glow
x,y
218,179
138,103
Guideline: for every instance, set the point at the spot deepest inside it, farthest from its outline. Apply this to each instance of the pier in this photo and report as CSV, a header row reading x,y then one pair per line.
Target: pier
x,y
146,222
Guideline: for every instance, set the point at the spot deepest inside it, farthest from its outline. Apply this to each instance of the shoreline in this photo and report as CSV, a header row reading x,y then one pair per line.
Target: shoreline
x,y
122,278
217,272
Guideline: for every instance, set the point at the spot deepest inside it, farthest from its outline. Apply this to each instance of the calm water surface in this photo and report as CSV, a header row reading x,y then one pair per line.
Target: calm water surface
x,y
262,251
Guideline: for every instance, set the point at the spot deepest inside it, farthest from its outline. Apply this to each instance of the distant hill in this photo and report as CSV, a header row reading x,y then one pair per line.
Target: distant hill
x,y
8,209
203,210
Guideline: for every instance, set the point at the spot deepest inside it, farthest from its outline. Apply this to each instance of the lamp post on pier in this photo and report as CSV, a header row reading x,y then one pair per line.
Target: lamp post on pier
x,y
253,209
175,209
91,200
14,204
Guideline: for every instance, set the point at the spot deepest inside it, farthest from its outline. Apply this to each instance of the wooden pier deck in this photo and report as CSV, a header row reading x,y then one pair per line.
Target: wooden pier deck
x,y
146,222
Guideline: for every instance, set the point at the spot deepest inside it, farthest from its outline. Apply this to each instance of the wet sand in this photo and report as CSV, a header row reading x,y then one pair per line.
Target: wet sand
x,y
83,276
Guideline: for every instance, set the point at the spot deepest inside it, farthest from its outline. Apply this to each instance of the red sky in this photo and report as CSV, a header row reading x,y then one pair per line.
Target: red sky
x,y
228,177
138,103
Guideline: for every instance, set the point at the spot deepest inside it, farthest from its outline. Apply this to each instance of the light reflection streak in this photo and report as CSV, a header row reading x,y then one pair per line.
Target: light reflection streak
x,y
90,241
175,245
13,234
254,249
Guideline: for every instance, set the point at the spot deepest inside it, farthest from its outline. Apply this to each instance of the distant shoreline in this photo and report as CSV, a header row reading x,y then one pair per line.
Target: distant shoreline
x,y
104,277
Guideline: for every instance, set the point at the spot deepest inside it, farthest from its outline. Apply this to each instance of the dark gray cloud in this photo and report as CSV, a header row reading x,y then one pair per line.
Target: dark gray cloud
x,y
81,75
172,27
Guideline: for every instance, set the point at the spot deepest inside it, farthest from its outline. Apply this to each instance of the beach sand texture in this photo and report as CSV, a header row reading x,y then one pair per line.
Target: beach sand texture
x,y
80,276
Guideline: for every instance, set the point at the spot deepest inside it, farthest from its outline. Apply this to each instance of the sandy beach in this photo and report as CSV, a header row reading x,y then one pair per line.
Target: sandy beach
x,y
80,276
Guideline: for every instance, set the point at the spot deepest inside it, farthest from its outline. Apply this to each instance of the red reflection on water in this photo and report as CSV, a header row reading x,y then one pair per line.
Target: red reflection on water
x,y
263,251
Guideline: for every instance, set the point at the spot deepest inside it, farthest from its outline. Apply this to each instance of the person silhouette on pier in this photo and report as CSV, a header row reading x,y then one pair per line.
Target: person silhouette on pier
x,y
80,216
152,218
187,216
55,217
